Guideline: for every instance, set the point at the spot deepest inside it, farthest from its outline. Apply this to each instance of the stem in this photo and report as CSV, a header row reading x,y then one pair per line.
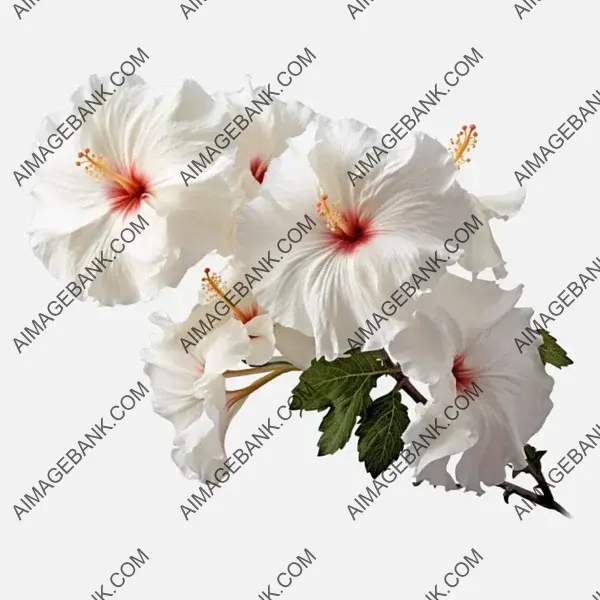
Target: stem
x,y
412,391
540,480
254,370
547,500
237,395
403,380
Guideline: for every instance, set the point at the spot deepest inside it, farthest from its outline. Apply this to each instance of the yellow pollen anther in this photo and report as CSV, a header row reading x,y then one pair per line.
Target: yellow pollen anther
x,y
96,168
333,218
465,141
212,286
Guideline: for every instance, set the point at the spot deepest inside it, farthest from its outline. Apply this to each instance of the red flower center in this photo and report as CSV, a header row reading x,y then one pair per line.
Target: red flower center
x,y
126,190
464,376
347,231
359,232
248,313
258,168
128,201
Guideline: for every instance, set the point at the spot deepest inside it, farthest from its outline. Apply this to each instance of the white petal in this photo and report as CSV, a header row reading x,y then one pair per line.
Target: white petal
x,y
262,340
338,146
436,473
482,252
196,106
139,272
226,347
172,377
200,449
464,299
456,438
297,348
504,206
423,349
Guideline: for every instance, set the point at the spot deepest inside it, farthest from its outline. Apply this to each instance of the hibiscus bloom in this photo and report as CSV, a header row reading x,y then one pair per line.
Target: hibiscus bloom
x,y
122,167
366,239
190,362
462,337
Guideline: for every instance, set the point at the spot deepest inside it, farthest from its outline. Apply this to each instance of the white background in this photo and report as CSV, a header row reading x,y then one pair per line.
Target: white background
x,y
126,494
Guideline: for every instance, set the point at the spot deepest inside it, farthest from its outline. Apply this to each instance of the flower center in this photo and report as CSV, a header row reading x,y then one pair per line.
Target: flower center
x,y
466,140
258,168
213,286
334,220
347,231
126,192
464,376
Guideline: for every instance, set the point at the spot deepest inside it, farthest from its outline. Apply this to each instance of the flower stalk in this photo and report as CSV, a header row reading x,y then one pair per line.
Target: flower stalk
x,y
546,499
235,396
402,380
267,368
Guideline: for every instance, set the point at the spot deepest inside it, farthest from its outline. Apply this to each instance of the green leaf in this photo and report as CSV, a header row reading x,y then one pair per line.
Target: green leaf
x,y
380,433
534,460
324,383
344,387
551,352
338,424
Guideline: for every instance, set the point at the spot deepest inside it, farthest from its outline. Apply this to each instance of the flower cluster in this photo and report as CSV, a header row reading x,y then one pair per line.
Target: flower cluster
x,y
344,278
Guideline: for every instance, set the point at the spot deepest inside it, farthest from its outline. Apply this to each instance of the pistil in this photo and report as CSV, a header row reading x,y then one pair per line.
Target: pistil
x,y
97,168
333,218
213,286
465,141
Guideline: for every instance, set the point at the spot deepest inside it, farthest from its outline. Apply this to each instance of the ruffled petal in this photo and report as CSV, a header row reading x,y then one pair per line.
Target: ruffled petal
x,y
172,377
423,349
482,251
457,437
464,299
504,206
200,449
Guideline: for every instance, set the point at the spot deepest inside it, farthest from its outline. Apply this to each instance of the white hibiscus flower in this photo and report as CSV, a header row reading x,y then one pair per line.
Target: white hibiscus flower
x,y
463,337
190,362
123,165
367,240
